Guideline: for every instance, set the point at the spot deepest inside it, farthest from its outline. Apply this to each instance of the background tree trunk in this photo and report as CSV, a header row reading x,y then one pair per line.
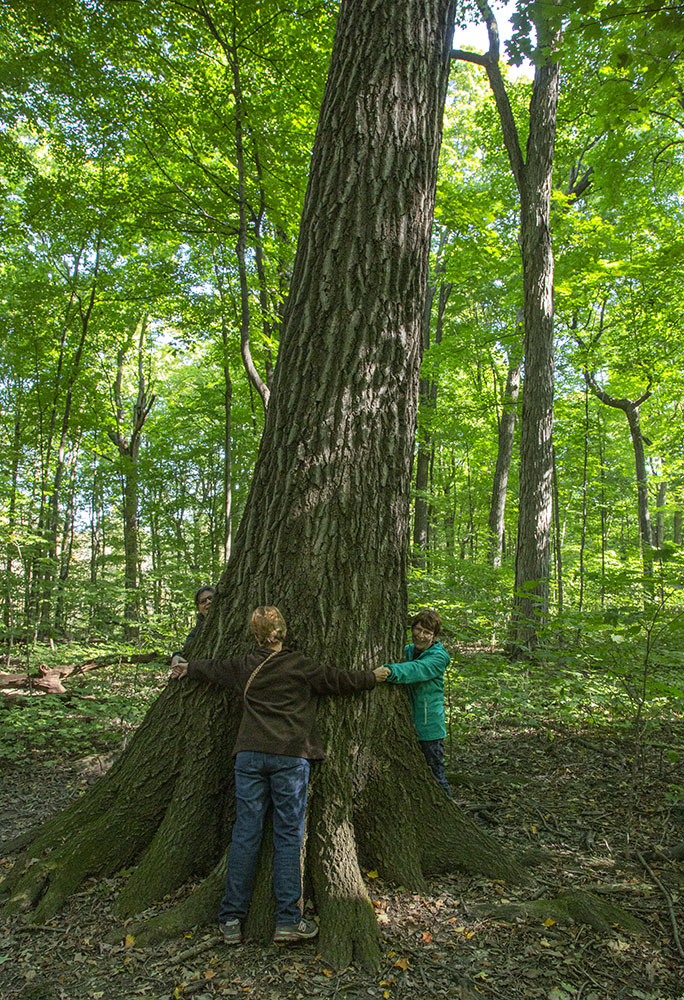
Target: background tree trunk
x,y
426,454
504,455
533,177
660,515
324,535
129,450
631,408
533,550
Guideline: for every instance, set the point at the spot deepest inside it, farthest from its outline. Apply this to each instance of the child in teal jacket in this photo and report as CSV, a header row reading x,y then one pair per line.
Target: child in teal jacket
x,y
422,671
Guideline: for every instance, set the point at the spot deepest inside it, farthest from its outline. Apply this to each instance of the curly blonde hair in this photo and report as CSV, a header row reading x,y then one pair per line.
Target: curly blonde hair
x,y
268,625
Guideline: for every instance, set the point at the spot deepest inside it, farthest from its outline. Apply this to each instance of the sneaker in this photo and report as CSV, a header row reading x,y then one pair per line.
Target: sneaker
x,y
301,931
231,932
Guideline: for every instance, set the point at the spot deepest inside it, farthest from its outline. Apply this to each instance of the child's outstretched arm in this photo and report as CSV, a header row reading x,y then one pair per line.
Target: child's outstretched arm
x,y
432,663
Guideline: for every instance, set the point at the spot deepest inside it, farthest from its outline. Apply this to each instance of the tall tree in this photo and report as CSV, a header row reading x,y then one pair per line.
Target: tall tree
x,y
533,177
325,531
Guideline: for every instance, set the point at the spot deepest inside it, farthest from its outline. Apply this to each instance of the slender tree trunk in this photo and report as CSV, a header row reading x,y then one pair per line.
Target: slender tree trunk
x,y
129,450
504,455
420,516
660,515
583,529
559,538
631,409
15,452
51,517
428,403
604,524
96,536
66,546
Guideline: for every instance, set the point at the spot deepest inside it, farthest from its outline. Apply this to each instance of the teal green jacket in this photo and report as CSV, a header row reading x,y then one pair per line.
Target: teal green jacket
x,y
424,679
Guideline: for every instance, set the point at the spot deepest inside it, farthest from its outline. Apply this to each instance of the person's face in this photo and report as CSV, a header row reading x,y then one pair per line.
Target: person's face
x,y
422,637
204,602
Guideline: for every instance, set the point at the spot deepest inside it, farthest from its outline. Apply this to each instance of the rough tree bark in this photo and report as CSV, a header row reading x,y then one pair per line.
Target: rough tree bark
x,y
324,535
533,176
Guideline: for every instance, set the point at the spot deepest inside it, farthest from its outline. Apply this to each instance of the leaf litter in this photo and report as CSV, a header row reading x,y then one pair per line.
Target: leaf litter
x,y
460,939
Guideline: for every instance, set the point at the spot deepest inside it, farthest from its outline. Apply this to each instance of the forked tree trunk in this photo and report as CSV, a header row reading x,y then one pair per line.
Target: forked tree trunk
x,y
324,535
631,408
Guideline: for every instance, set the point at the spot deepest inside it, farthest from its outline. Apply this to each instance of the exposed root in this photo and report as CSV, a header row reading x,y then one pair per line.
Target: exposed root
x,y
97,834
453,841
191,834
576,905
349,930
200,908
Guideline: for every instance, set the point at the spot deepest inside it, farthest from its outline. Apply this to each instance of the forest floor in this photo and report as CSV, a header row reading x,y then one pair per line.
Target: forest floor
x,y
593,797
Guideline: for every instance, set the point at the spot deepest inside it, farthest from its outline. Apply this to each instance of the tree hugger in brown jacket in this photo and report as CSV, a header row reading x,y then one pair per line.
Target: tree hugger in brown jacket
x,y
276,740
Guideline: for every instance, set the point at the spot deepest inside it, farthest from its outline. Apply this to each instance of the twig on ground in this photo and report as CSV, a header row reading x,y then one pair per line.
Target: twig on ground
x,y
34,928
183,956
668,899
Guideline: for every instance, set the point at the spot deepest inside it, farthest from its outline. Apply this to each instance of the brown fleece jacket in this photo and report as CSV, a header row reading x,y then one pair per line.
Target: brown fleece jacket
x,y
279,709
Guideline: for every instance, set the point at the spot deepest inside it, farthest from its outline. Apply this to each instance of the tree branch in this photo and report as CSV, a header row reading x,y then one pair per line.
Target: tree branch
x,y
490,61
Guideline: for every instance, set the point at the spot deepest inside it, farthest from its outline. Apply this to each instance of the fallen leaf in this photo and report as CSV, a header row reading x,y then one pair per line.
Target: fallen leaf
x,y
372,874
549,922
427,937
128,941
402,963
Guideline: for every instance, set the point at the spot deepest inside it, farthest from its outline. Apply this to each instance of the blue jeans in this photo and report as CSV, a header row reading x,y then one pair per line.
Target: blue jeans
x,y
433,751
262,779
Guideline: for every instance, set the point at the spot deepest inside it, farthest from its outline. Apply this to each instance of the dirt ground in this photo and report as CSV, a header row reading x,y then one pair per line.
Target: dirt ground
x,y
591,802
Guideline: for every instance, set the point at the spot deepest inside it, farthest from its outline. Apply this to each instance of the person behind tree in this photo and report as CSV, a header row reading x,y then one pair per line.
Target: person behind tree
x,y
425,660
276,740
203,598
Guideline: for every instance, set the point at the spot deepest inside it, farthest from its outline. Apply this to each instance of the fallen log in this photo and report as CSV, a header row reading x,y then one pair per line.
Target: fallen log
x,y
49,679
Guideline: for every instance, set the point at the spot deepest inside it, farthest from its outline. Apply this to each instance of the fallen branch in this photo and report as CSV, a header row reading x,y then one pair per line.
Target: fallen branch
x,y
183,956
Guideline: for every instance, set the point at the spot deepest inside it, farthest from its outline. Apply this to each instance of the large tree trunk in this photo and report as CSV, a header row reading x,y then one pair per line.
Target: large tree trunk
x,y
324,535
